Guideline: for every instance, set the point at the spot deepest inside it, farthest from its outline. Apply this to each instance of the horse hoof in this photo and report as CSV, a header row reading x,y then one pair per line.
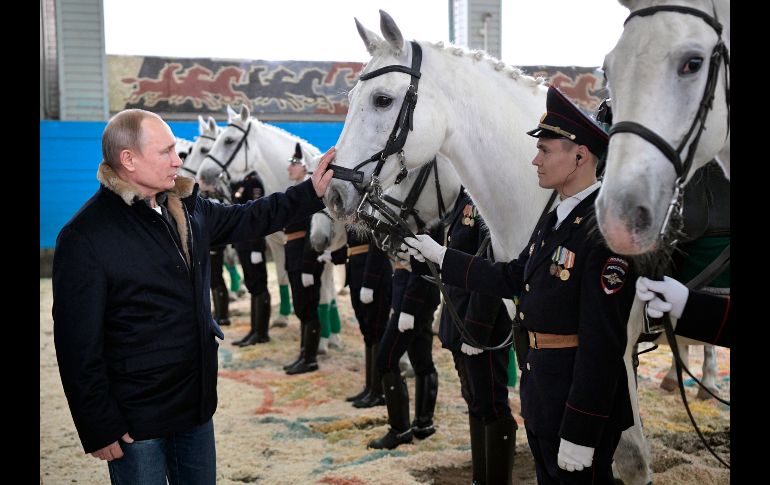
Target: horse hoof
x,y
703,395
668,384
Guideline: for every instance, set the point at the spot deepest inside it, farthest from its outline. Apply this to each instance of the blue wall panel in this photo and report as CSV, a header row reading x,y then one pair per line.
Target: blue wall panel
x,y
70,152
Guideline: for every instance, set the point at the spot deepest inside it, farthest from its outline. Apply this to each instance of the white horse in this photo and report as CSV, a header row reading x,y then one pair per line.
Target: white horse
x,y
477,118
248,145
208,131
657,75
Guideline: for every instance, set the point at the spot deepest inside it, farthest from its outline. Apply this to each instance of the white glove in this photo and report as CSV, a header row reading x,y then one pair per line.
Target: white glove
x,y
574,458
256,257
307,279
405,322
424,247
468,350
366,295
325,257
674,292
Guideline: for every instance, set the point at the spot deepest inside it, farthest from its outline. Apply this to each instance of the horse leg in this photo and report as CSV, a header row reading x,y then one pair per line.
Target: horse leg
x,y
670,382
709,379
632,456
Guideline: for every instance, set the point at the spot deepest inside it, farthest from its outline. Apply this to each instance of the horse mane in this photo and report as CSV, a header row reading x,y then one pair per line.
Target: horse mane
x,y
508,70
277,129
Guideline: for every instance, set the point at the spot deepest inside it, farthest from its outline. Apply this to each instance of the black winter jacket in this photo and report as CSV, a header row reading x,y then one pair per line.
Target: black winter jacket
x,y
133,329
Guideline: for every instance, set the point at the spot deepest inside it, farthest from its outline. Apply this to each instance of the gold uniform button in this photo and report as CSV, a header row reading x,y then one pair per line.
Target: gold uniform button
x,y
521,315
526,287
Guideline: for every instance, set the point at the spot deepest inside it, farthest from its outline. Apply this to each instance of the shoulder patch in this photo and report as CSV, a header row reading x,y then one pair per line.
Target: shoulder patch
x,y
613,275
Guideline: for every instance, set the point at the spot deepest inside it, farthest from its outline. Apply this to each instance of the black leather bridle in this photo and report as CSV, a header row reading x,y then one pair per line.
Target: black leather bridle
x,y
719,55
188,169
392,228
404,120
224,176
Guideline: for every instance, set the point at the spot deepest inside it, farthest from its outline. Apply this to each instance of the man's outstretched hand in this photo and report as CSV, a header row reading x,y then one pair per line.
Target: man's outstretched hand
x,y
321,177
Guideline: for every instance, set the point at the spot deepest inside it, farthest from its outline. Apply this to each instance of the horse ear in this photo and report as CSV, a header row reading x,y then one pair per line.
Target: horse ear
x,y
391,32
298,151
212,124
245,113
201,125
231,114
629,4
371,40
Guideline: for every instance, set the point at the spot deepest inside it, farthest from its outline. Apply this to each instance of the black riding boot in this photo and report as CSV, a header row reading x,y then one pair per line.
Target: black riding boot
x,y
260,318
308,361
374,397
221,305
478,451
426,391
368,370
397,400
301,347
500,439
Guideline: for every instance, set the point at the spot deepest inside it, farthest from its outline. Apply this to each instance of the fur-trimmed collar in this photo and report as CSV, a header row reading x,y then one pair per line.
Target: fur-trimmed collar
x,y
183,186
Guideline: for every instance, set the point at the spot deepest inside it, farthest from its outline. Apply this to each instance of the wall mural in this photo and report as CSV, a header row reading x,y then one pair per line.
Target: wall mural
x,y
188,87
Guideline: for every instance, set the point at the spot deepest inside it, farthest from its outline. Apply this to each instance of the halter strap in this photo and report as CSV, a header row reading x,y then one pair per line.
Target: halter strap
x,y
235,151
404,121
644,12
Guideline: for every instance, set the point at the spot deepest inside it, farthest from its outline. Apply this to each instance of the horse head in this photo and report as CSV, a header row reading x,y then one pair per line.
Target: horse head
x,y
226,161
208,130
668,78
377,113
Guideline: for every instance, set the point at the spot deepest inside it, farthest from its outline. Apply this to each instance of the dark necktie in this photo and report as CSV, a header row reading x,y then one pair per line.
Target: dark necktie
x,y
550,221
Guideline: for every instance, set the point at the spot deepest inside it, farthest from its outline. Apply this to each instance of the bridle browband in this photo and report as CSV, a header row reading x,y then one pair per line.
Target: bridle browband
x,y
719,55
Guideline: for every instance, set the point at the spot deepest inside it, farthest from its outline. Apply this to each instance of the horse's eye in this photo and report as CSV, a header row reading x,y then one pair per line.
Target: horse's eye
x,y
382,101
229,141
692,65
205,150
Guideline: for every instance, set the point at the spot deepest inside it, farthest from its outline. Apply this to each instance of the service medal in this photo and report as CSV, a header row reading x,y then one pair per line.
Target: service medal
x,y
564,275
553,270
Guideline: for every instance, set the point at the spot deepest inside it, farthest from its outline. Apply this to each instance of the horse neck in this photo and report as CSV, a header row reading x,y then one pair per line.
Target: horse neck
x,y
496,172
271,150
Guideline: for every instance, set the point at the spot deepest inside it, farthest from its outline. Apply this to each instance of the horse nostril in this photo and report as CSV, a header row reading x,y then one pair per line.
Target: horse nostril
x,y
642,219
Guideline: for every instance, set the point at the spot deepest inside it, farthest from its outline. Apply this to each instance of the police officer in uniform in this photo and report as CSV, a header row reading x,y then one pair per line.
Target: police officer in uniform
x,y
483,373
575,298
252,257
304,277
409,330
370,275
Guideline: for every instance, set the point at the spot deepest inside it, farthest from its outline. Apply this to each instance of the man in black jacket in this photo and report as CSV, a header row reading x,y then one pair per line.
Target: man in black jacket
x,y
133,329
